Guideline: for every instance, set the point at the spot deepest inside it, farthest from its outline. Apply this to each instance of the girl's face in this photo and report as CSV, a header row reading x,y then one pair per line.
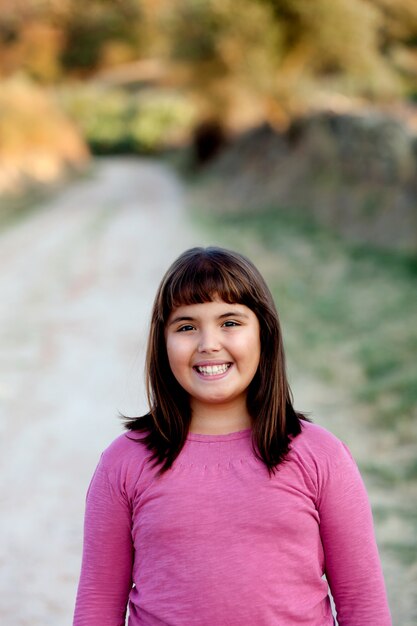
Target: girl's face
x,y
213,351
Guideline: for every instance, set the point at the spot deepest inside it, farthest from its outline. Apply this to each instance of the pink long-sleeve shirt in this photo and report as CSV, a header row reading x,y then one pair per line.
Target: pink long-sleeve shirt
x,y
216,541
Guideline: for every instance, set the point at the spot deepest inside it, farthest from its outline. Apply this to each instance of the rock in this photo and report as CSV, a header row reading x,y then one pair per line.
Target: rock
x,y
354,173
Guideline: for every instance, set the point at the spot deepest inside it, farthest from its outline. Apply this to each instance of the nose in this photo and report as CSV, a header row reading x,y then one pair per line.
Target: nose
x,y
209,341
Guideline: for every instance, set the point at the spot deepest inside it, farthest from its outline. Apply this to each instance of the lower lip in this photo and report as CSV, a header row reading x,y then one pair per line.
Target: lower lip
x,y
213,376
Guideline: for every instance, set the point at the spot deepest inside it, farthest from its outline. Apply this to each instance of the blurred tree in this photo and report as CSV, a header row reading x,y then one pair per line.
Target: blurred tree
x,y
226,56
355,38
281,54
398,37
289,50
49,39
91,28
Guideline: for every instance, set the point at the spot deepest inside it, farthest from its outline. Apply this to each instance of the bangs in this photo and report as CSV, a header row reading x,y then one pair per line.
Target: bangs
x,y
204,280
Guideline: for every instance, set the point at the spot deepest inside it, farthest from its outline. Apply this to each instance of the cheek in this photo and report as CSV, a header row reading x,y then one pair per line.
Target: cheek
x,y
176,351
255,350
247,352
250,345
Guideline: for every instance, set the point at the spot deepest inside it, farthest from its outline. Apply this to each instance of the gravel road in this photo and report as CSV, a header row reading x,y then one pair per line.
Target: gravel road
x,y
77,280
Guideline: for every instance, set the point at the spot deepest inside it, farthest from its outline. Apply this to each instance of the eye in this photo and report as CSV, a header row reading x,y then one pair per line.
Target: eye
x,y
185,328
230,324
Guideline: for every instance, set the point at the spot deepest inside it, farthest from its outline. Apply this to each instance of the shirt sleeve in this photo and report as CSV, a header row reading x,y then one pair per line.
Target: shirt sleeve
x,y
106,571
352,564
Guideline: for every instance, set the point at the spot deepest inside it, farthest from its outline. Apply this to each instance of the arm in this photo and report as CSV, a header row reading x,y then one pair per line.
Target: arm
x,y
352,563
106,572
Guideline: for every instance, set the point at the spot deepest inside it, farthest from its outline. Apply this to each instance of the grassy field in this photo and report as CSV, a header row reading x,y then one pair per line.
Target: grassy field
x,y
349,318
347,312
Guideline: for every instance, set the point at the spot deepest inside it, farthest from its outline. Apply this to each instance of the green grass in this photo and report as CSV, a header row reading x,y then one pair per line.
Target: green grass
x,y
349,317
385,476
405,553
343,307
16,208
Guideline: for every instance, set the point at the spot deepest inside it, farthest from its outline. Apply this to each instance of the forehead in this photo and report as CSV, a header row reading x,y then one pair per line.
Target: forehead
x,y
205,281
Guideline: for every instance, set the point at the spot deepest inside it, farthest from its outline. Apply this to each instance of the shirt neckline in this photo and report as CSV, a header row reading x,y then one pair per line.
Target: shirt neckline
x,y
240,434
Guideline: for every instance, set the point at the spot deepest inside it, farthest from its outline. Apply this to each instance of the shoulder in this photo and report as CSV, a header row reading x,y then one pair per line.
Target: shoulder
x,y
125,459
126,445
320,448
324,462
319,438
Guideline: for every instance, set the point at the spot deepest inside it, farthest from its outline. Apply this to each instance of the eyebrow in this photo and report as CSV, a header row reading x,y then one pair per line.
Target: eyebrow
x,y
183,318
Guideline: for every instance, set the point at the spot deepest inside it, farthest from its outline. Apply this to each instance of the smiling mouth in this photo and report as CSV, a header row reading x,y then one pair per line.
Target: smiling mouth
x,y
212,370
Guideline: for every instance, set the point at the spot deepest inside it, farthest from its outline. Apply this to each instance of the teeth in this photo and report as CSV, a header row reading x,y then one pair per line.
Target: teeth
x,y
212,370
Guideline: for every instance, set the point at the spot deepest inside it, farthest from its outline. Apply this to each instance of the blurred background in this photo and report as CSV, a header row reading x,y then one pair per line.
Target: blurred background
x,y
132,129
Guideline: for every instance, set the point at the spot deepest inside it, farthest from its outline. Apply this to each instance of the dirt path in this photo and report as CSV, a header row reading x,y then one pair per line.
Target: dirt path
x,y
77,281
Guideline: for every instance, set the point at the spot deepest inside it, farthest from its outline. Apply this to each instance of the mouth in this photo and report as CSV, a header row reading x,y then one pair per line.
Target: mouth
x,y
212,371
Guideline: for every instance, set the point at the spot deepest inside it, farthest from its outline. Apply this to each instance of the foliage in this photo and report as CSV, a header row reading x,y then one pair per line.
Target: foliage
x,y
289,52
274,51
227,53
89,27
113,120
49,40
39,144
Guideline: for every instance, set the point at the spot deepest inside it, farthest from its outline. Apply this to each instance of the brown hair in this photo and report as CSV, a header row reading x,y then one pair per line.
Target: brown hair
x,y
199,275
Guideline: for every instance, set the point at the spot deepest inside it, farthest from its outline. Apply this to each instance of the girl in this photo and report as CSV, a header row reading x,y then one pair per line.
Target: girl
x,y
223,506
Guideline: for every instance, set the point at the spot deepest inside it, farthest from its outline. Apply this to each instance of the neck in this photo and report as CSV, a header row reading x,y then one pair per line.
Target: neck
x,y
219,419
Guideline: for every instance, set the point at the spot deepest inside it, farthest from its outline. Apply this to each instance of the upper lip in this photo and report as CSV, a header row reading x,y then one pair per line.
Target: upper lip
x,y
209,363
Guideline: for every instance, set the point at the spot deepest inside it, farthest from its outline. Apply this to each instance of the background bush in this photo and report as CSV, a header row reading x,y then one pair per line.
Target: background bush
x,y
118,121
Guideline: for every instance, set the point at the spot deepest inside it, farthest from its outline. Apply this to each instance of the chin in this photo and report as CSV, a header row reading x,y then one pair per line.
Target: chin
x,y
216,401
